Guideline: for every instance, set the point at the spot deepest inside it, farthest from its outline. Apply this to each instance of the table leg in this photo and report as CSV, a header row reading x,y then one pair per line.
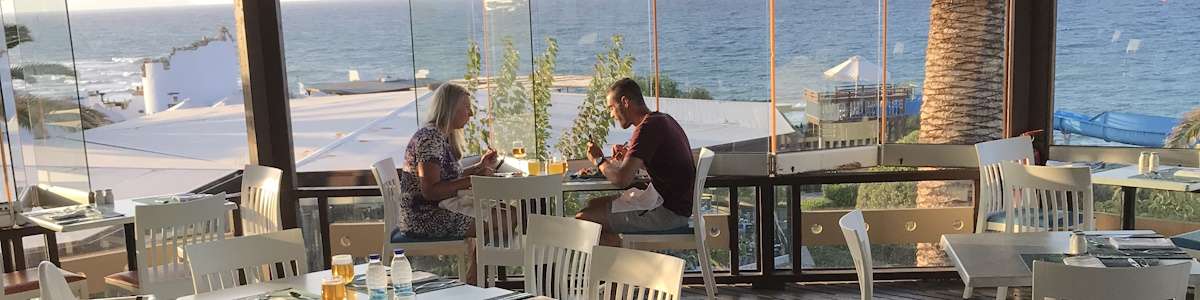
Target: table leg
x,y
52,248
131,246
1128,207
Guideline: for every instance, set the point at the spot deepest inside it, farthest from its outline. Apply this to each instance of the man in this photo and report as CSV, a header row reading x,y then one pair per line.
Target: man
x,y
660,147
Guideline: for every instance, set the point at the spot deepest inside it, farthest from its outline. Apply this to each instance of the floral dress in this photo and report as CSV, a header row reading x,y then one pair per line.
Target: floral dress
x,y
419,218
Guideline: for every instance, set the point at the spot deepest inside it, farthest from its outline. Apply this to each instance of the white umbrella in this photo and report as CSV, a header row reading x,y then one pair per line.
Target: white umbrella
x,y
855,69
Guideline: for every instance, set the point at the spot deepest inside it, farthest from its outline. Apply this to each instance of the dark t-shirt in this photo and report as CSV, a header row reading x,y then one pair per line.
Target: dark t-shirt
x,y
663,146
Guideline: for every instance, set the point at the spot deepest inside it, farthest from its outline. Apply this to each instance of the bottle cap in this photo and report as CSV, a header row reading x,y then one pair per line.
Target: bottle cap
x,y
398,251
373,256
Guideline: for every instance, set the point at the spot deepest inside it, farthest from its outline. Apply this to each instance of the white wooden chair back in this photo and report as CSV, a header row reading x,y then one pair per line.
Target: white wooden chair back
x,y
391,192
700,229
260,200
625,274
558,256
504,203
217,265
991,154
162,229
854,228
1059,281
1047,198
52,284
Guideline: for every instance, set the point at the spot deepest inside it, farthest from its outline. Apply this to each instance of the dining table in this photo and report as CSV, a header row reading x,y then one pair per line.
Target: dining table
x,y
120,213
311,283
1130,180
996,259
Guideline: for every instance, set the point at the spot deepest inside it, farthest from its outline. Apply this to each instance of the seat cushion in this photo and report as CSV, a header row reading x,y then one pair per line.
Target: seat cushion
x,y
680,230
1190,240
129,279
27,280
398,237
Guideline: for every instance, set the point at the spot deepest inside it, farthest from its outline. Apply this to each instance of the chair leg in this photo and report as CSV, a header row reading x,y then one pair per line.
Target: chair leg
x,y
968,292
1002,293
710,282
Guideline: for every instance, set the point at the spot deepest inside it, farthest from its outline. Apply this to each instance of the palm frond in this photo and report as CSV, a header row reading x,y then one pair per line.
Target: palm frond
x,y
15,34
1187,133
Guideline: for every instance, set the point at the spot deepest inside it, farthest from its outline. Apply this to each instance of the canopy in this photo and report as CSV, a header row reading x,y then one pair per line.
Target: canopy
x,y
856,69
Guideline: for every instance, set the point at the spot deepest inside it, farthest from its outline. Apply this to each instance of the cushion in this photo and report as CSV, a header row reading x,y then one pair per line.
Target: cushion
x,y
27,280
398,237
1190,240
680,230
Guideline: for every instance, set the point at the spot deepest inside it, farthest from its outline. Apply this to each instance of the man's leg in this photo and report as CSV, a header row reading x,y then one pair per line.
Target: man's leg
x,y
598,210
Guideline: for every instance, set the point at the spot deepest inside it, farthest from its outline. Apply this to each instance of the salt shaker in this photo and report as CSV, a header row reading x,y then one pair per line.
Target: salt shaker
x,y
1153,168
1078,243
1144,162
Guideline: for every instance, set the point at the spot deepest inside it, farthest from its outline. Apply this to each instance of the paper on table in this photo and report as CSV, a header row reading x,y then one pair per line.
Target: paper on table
x,y
463,204
1141,243
1083,261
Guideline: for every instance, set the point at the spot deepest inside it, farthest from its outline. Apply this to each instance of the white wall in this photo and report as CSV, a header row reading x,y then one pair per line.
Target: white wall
x,y
202,76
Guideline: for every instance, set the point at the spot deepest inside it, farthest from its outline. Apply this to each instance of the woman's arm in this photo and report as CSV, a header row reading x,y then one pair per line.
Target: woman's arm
x,y
433,188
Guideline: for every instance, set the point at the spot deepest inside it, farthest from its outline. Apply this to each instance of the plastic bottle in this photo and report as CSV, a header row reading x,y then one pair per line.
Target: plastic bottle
x,y
376,278
402,276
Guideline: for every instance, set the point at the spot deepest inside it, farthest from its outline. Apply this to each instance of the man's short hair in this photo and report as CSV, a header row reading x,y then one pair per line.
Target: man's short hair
x,y
628,88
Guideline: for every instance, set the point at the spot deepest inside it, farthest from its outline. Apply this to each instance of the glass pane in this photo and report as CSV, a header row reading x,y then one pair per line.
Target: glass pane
x,y
510,111
353,88
824,247
591,52
49,114
828,71
945,67
1120,72
715,69
169,82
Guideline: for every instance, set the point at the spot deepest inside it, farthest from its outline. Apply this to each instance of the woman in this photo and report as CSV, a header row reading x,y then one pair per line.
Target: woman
x,y
432,155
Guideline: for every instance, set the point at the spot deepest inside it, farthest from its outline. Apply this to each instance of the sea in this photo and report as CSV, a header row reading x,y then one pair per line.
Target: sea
x,y
1112,55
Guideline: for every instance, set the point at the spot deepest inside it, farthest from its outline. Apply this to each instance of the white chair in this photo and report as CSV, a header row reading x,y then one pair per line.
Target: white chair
x,y
855,231
28,283
260,200
688,239
1059,281
991,197
505,204
622,274
1047,198
53,284
558,256
161,230
389,187
221,264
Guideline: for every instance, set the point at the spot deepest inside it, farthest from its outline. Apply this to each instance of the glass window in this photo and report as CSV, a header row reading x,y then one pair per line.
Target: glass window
x,y
1120,73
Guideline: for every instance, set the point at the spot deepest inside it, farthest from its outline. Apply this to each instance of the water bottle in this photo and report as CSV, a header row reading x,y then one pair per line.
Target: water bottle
x,y
376,278
402,276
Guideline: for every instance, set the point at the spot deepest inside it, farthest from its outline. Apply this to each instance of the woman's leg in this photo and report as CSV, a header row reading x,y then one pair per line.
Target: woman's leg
x,y
472,267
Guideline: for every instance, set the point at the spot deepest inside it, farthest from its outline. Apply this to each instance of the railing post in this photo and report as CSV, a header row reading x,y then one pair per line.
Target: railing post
x,y
794,215
765,223
734,225
323,219
265,88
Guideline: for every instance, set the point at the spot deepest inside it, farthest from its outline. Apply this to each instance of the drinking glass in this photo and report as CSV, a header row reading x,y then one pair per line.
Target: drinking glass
x,y
343,267
557,165
535,167
518,149
333,288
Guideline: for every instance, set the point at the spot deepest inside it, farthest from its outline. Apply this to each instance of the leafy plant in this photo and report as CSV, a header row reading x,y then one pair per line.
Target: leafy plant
x,y
510,104
543,79
476,132
594,120
670,88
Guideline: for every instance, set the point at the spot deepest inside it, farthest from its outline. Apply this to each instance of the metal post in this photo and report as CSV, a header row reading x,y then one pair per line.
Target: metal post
x,y
264,84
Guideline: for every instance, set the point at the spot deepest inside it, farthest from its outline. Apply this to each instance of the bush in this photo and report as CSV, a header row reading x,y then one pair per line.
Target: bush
x,y
842,195
887,195
815,204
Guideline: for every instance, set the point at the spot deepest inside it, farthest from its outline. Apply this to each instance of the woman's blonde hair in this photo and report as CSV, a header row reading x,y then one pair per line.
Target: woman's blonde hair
x,y
441,114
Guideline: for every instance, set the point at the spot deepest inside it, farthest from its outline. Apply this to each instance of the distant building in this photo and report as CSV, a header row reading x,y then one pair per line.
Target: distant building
x,y
201,74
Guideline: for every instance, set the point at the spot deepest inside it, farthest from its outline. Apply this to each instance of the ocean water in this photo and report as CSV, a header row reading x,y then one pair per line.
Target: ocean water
x,y
720,45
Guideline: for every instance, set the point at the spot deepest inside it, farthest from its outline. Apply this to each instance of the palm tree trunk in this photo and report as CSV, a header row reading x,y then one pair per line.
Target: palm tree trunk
x,y
963,92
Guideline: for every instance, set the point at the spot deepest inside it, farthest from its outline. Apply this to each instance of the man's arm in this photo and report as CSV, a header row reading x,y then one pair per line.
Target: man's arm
x,y
618,171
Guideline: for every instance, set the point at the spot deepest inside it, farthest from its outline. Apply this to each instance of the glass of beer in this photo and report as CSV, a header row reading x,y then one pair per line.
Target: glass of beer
x,y
518,149
343,267
333,288
535,167
557,165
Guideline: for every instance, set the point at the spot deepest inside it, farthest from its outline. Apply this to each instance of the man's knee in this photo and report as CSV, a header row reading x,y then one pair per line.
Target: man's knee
x,y
600,202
